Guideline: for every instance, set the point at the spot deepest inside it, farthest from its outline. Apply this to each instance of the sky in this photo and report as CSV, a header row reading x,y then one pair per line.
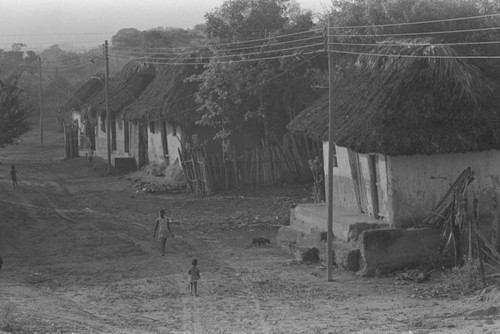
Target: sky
x,y
41,23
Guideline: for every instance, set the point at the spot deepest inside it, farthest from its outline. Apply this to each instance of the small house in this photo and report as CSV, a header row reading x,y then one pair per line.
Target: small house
x,y
79,110
123,89
165,113
405,128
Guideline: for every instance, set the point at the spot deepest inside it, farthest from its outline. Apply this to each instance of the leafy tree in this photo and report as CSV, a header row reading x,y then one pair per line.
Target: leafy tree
x,y
16,47
14,111
255,99
161,37
128,37
373,12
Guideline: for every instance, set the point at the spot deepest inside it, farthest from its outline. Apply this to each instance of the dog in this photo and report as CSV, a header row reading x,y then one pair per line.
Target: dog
x,y
260,241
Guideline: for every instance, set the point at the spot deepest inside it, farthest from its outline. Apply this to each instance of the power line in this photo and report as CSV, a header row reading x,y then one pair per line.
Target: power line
x,y
417,22
411,56
143,61
416,33
415,44
243,54
240,42
234,94
170,51
58,34
193,95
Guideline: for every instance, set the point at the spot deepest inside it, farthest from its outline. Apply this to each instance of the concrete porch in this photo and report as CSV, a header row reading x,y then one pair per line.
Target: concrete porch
x,y
309,218
361,243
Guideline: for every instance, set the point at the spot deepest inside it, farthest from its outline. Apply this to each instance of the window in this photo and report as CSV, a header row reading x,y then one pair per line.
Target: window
x,y
103,123
174,132
152,127
113,134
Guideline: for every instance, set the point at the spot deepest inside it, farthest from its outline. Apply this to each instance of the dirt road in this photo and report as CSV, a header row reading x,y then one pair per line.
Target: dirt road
x,y
79,258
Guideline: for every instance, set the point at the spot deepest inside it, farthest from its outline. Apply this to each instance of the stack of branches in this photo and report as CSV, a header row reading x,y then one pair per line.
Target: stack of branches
x,y
458,217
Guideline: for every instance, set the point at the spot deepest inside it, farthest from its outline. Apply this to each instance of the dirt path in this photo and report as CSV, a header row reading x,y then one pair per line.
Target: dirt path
x,y
79,258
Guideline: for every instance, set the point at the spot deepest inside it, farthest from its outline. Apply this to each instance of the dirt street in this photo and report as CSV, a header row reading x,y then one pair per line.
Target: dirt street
x,y
79,258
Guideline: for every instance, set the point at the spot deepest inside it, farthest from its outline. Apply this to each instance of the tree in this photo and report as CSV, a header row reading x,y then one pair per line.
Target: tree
x,y
128,37
373,13
14,112
16,47
255,99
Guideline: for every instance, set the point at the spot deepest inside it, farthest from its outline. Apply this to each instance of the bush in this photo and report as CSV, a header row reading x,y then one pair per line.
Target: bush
x,y
462,280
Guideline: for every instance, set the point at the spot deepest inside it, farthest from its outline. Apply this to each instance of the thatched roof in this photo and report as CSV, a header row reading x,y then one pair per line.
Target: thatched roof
x,y
84,94
125,88
408,105
169,96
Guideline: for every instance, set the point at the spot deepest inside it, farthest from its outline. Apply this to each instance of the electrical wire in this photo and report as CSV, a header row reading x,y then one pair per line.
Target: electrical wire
x,y
235,55
234,94
187,51
414,44
145,61
417,22
411,56
193,95
416,33
244,42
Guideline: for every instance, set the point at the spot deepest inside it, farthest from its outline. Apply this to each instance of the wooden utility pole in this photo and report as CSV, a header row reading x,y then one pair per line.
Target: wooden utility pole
x,y
40,98
108,117
329,238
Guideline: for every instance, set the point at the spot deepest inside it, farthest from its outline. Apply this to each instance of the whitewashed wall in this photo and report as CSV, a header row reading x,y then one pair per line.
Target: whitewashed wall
x,y
344,197
419,182
155,148
173,141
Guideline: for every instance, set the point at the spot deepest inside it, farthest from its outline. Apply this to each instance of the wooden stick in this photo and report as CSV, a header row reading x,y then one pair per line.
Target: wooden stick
x,y
494,221
431,219
480,254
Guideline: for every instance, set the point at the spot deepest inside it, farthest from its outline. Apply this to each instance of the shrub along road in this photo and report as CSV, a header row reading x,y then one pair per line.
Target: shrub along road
x,y
79,258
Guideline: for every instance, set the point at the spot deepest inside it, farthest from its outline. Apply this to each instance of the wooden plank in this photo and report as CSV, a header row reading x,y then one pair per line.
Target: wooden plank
x,y
494,221
355,177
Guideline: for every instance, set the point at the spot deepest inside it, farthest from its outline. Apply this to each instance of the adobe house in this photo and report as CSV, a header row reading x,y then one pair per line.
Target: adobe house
x,y
123,89
79,110
165,112
405,128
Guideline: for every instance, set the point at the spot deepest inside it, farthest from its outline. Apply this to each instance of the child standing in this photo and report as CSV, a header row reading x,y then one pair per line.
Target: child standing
x,y
194,273
90,156
162,230
13,175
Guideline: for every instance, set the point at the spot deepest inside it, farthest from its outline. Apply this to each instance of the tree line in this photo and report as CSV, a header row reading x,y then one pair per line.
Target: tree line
x,y
258,98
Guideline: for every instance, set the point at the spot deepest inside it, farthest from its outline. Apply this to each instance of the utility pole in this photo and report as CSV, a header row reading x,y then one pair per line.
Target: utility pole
x,y
40,98
329,237
57,87
108,118
58,111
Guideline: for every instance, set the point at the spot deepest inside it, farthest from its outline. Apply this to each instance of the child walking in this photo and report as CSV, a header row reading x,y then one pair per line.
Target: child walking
x,y
90,156
162,230
13,175
194,273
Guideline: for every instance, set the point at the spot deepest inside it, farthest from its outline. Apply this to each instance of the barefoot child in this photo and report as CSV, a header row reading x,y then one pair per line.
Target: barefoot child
x,y
194,273
162,230
13,175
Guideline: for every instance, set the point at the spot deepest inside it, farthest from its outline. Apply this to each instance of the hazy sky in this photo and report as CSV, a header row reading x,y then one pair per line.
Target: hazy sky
x,y
90,22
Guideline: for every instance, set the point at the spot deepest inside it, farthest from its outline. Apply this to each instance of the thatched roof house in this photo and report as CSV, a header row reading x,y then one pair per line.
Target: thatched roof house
x,y
84,93
169,96
125,88
408,105
405,127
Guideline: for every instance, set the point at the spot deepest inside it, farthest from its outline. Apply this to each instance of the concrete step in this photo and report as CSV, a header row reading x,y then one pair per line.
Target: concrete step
x,y
296,241
346,226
